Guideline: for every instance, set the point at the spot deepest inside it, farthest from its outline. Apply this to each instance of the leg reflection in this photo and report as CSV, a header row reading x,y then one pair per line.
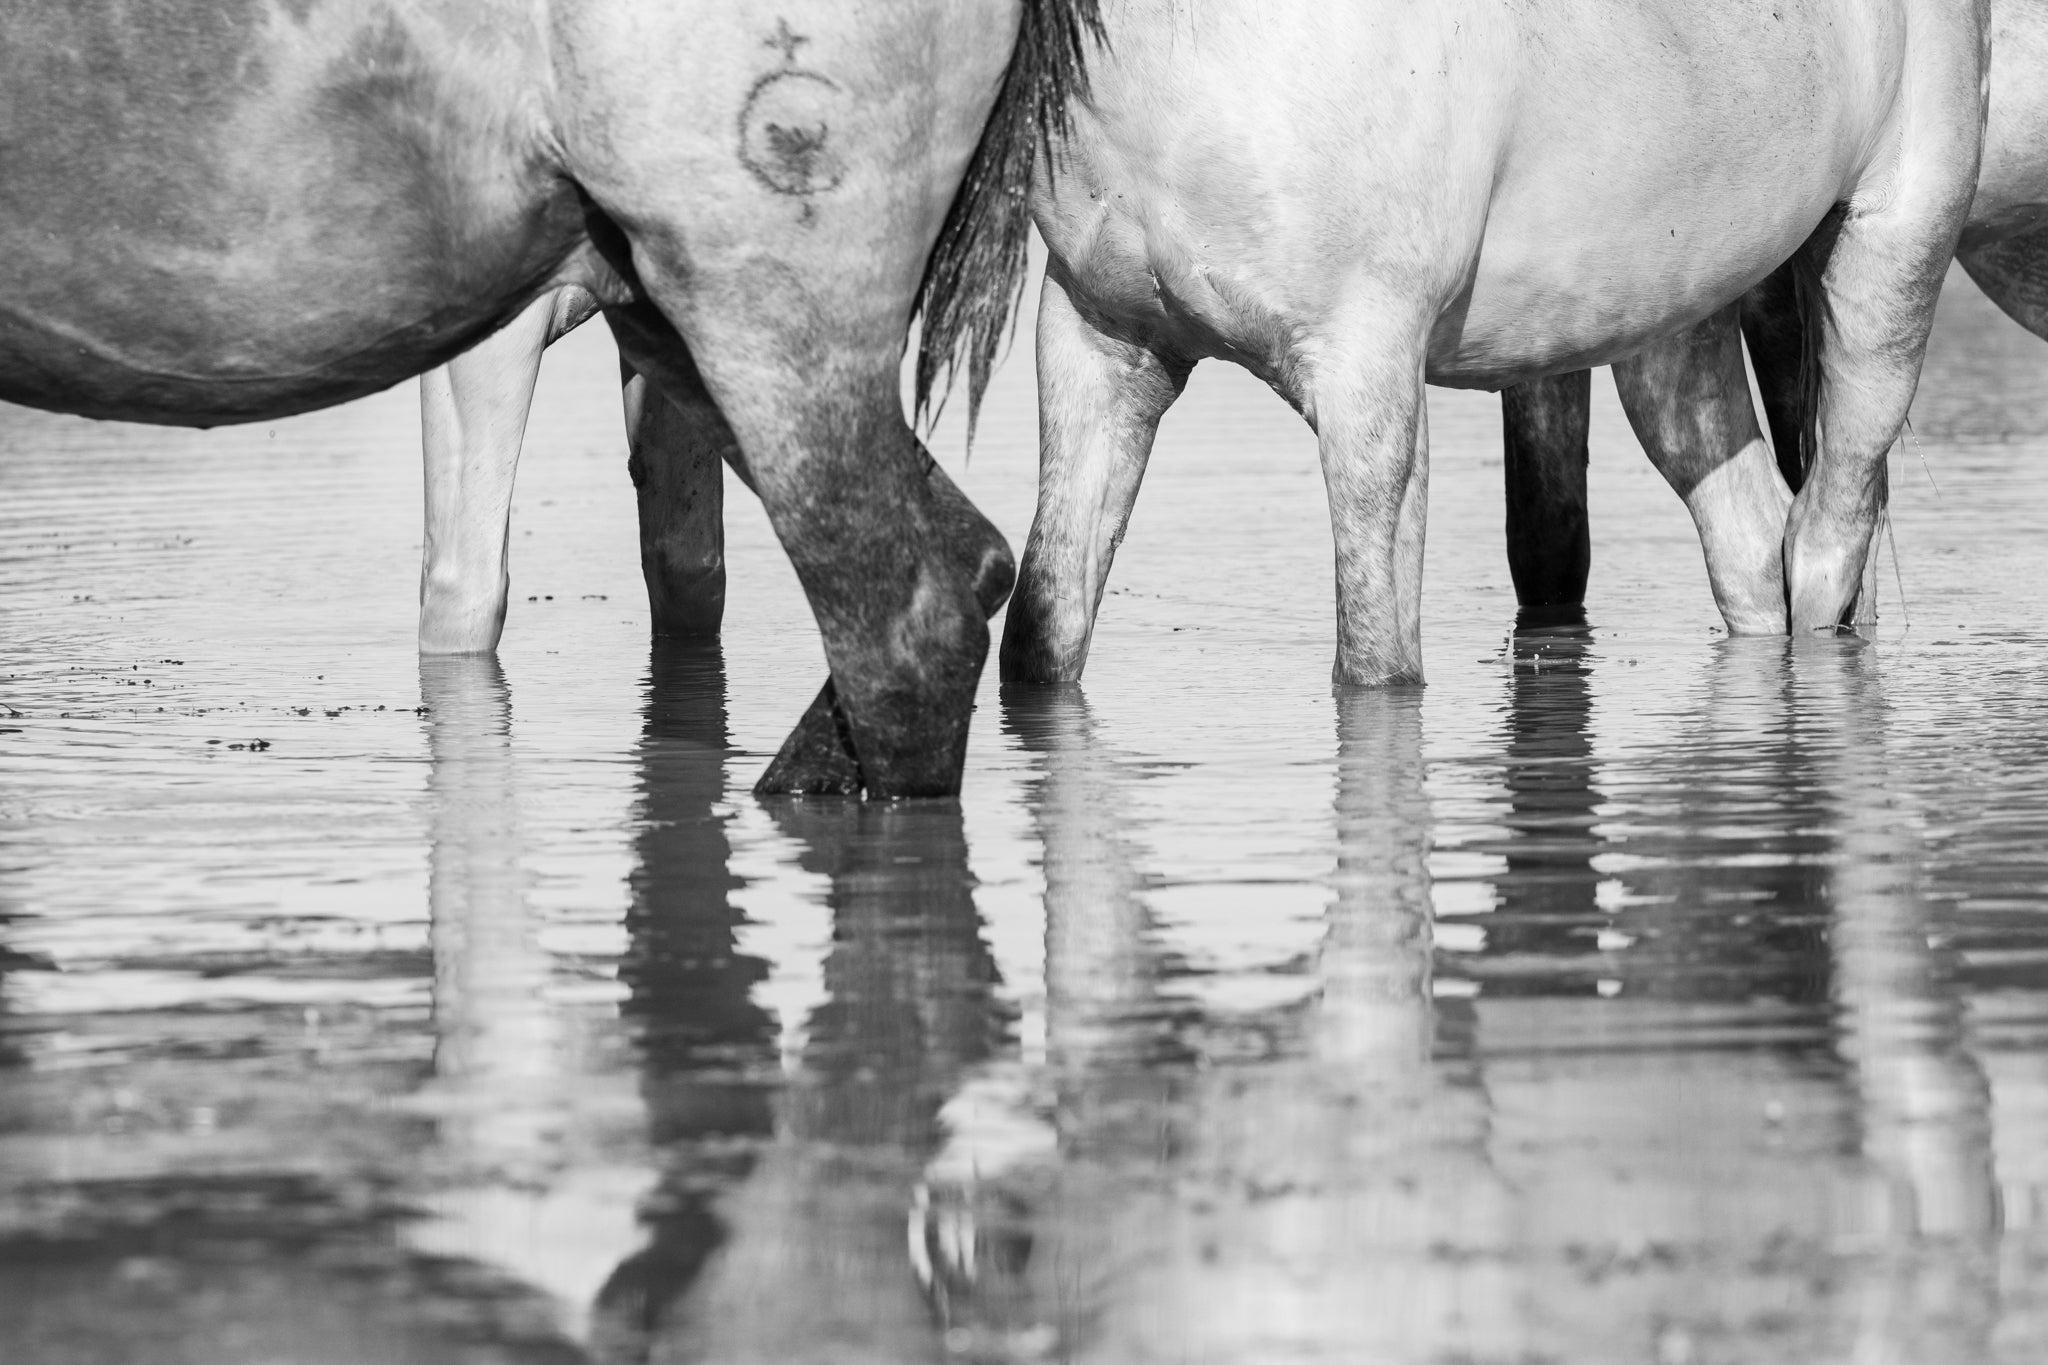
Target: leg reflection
x,y
1209,1183
707,1047
1547,892
1924,1103
494,1046
812,1268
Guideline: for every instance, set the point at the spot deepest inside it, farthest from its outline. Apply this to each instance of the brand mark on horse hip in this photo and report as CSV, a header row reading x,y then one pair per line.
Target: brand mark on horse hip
x,y
785,126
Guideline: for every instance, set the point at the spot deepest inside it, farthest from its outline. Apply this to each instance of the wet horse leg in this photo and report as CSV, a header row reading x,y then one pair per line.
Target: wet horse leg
x,y
1099,404
1687,397
822,755
472,419
1543,441
1882,273
678,443
1373,437
818,759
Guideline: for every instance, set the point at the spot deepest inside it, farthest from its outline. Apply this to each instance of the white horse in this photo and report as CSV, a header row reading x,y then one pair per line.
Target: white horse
x,y
1350,200
1697,420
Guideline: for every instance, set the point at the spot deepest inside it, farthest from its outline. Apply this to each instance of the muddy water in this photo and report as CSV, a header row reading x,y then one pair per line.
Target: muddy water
x,y
1630,994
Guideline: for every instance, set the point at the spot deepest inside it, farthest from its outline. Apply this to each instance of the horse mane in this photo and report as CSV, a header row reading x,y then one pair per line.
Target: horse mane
x,y
974,277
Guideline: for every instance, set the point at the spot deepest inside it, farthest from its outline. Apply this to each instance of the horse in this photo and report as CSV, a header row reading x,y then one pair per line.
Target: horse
x,y
233,212
1353,200
1704,420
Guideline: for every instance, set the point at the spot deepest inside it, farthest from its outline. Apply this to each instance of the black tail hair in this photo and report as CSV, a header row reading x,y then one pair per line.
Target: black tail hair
x,y
1783,320
974,278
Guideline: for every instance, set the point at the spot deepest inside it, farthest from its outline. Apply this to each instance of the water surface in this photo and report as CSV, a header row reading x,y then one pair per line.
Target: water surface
x,y
1628,994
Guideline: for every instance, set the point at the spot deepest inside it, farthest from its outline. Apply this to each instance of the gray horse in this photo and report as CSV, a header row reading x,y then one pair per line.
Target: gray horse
x,y
1701,421
1351,200
223,212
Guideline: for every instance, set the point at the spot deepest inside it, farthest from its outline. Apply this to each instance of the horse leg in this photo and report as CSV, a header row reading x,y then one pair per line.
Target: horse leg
x,y
1373,437
678,441
1775,325
818,758
1883,271
1687,397
1543,447
1099,404
472,419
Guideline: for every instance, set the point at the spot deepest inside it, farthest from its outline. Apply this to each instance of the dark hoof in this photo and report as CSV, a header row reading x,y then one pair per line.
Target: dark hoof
x,y
817,759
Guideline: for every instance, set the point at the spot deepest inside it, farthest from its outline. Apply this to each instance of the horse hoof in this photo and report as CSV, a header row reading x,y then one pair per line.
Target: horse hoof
x,y
817,759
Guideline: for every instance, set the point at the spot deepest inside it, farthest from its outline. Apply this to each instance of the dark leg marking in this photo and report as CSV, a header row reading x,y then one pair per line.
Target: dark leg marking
x,y
1543,438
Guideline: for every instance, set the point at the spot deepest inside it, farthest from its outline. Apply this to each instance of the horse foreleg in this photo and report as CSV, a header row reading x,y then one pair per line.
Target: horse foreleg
x,y
1543,449
1373,437
472,419
1687,397
1099,404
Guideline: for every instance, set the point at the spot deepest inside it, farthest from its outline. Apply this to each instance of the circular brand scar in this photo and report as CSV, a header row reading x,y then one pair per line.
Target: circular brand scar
x,y
786,133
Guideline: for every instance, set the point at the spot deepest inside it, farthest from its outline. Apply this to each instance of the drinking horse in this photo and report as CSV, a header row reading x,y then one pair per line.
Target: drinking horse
x,y
1699,423
1352,200
223,212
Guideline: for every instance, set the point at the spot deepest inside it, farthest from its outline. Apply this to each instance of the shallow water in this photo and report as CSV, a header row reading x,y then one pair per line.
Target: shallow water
x,y
1629,994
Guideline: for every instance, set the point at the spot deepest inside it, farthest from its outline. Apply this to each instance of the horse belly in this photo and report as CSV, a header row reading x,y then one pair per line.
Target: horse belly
x,y
1636,196
234,211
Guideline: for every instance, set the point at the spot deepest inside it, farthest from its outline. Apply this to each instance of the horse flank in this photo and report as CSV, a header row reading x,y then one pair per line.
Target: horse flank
x,y
974,277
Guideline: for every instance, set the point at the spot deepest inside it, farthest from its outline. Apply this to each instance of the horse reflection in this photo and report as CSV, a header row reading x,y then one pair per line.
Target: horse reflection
x,y
1780,1049
1923,1103
1548,890
512,1090
709,1069
776,1231
1175,1210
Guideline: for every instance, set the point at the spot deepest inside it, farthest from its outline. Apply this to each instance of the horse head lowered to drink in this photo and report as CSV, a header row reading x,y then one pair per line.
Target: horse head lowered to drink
x,y
221,212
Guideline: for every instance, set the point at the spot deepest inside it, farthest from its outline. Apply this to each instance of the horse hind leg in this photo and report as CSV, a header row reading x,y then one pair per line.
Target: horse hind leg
x,y
1882,274
472,419
1100,400
1544,425
1687,396
678,443
818,759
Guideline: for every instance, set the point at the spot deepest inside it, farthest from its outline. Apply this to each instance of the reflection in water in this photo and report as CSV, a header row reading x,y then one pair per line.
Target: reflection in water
x,y
1923,1104
1548,893
812,1262
431,1038
707,1052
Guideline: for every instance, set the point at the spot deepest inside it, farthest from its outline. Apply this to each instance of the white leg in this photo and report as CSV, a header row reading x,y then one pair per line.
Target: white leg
x,y
1099,404
1374,441
472,419
1881,275
1688,400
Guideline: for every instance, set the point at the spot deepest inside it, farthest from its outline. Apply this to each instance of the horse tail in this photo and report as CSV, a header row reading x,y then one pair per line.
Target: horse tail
x,y
1784,321
974,277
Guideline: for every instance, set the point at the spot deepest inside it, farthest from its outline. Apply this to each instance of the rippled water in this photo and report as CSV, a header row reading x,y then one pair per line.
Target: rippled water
x,y
1630,994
